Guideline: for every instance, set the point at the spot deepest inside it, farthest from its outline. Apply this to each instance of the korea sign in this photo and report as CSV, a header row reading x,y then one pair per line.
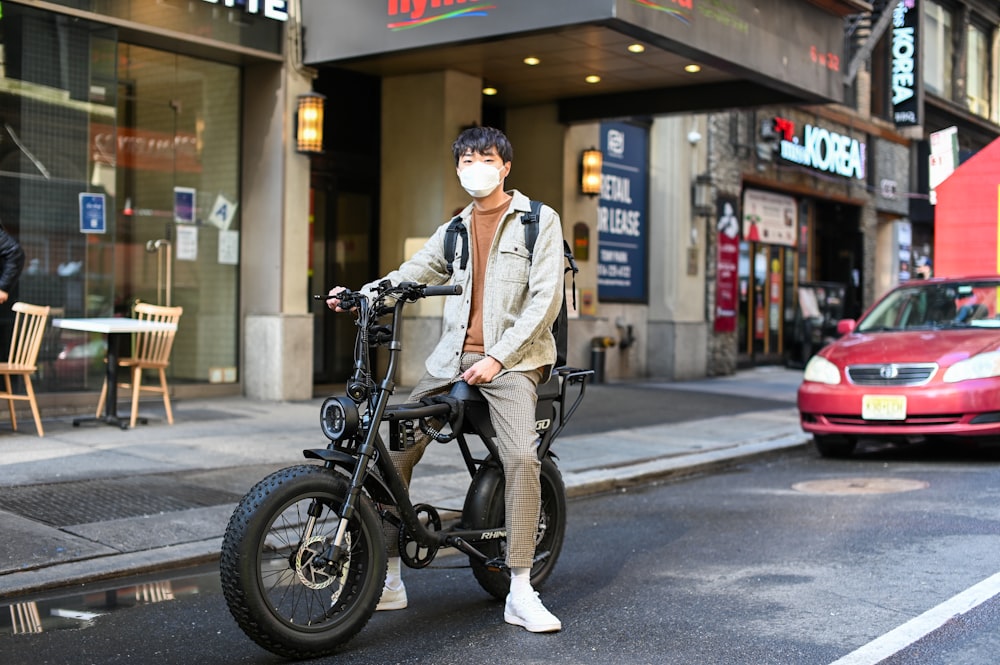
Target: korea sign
x,y
906,79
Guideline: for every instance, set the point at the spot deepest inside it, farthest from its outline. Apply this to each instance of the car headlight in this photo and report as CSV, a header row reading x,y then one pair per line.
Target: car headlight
x,y
338,418
981,366
821,370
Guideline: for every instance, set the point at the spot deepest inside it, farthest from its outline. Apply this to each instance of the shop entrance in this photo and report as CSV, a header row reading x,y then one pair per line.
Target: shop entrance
x,y
837,251
766,277
344,214
341,254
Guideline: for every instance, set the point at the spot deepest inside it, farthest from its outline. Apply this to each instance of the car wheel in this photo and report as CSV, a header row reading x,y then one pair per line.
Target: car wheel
x,y
834,446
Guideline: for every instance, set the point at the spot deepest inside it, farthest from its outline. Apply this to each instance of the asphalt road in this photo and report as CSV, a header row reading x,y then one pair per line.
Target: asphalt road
x,y
742,566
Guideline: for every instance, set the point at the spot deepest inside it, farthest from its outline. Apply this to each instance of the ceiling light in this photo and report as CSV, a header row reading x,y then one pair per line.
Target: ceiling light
x,y
636,48
593,78
692,68
532,61
489,92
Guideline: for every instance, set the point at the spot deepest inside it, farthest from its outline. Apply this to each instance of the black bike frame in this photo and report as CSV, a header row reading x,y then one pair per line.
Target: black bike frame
x,y
359,462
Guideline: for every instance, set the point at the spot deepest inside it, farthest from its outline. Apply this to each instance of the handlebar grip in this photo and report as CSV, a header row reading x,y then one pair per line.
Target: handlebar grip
x,y
448,290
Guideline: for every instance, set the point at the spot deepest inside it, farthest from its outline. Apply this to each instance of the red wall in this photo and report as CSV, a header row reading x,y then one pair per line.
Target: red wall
x,y
967,217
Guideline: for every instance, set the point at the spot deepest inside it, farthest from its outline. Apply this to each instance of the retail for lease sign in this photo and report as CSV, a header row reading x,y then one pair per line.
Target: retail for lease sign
x,y
621,213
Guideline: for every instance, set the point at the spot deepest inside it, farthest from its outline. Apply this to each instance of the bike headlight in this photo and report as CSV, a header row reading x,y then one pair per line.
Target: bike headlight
x,y
338,418
821,370
982,366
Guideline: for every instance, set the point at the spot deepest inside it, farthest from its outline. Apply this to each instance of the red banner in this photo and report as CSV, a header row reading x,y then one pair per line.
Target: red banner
x,y
727,265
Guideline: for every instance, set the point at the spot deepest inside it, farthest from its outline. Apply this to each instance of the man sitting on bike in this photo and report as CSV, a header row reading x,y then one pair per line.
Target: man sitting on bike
x,y
496,336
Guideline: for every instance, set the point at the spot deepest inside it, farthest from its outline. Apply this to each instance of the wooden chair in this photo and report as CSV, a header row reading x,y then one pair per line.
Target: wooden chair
x,y
29,327
151,350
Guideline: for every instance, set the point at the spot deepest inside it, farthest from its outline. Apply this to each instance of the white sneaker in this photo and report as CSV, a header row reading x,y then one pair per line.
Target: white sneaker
x,y
526,610
392,599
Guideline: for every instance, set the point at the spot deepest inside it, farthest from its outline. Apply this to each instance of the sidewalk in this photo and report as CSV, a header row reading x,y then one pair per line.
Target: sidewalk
x,y
95,502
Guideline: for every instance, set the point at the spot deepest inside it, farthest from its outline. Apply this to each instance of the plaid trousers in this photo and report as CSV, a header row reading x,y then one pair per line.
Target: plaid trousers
x,y
511,397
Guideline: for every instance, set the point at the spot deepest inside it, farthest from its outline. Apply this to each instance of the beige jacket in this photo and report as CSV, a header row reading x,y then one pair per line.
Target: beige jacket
x,y
520,302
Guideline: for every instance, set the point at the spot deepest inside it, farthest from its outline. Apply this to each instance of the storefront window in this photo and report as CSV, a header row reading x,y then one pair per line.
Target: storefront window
x,y
153,138
977,62
937,49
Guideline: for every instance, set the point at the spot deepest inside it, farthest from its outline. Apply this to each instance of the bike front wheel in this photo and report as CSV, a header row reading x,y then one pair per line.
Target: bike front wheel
x,y
485,509
285,587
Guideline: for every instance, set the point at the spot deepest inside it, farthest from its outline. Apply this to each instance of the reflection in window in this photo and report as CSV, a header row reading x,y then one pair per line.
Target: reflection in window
x,y
938,49
978,67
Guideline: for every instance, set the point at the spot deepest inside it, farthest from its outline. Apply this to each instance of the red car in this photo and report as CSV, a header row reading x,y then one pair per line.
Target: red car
x,y
923,362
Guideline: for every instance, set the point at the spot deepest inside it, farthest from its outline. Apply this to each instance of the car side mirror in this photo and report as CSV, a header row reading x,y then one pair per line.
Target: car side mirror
x,y
845,326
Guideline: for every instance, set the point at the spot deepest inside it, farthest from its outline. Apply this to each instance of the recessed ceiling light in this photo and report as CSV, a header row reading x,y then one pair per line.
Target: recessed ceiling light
x,y
692,68
532,61
636,48
489,92
593,78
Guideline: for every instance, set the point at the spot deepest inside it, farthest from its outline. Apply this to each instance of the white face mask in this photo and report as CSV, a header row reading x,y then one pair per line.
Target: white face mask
x,y
479,179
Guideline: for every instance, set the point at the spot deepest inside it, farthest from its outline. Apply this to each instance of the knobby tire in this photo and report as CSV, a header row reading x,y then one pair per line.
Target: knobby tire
x,y
262,556
548,538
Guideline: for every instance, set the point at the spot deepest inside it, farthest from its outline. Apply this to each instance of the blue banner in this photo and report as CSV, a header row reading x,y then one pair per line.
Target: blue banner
x,y
621,214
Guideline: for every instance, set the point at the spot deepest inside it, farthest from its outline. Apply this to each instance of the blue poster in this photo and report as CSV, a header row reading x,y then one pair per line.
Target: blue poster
x,y
93,215
621,214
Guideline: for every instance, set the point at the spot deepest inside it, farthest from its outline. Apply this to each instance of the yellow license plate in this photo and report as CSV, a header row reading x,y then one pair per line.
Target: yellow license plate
x,y
883,407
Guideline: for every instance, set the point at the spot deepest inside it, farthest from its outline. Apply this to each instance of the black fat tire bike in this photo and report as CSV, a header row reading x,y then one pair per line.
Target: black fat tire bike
x,y
303,558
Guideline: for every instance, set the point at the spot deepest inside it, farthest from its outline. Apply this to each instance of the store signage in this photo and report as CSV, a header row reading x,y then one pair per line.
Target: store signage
x,y
905,76
621,213
822,149
272,9
414,12
769,218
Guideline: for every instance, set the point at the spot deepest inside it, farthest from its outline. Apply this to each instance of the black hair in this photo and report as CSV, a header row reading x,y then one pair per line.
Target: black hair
x,y
480,140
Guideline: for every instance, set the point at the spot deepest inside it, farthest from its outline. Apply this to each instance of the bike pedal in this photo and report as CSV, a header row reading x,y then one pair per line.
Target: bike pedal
x,y
496,566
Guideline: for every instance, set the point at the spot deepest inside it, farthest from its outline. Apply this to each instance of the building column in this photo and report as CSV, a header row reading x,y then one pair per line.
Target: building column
x,y
277,352
421,116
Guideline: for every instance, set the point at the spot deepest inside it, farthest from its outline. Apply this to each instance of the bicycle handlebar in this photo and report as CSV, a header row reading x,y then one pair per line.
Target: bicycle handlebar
x,y
449,290
408,290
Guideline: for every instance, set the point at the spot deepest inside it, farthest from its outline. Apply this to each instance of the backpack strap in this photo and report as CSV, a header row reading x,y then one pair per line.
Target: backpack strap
x,y
531,221
456,228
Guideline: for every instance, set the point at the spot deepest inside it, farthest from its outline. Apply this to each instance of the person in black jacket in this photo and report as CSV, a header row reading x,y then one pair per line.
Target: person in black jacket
x,y
11,263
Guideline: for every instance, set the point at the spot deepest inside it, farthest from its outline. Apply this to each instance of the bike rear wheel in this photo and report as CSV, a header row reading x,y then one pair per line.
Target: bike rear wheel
x,y
279,587
485,509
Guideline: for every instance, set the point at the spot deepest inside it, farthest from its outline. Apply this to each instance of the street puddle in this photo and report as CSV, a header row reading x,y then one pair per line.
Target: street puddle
x,y
82,606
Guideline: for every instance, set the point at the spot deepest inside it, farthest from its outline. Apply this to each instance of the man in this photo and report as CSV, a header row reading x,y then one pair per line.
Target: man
x,y
496,336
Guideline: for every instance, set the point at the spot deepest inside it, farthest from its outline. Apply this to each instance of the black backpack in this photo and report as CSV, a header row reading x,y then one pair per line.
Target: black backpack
x,y
530,222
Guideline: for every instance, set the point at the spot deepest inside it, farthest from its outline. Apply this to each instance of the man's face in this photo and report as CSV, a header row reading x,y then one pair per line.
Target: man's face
x,y
490,158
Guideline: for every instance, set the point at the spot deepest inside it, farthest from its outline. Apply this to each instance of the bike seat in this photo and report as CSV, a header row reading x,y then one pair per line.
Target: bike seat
x,y
549,389
463,391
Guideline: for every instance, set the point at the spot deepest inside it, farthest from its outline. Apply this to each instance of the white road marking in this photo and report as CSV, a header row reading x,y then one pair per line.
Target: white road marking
x,y
913,630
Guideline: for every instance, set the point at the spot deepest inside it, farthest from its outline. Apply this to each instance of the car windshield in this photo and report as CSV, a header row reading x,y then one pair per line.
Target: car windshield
x,y
936,305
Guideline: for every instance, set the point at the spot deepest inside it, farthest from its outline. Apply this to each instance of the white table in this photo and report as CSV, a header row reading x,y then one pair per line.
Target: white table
x,y
111,326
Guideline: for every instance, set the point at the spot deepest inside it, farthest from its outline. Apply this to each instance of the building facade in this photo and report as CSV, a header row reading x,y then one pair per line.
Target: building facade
x,y
748,199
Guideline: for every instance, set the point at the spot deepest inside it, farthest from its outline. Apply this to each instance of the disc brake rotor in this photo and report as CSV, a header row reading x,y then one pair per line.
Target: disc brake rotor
x,y
310,574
